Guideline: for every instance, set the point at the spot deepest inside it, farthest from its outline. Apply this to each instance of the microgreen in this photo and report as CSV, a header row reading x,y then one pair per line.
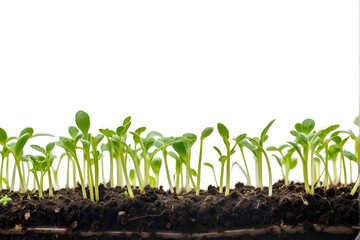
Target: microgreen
x,y
4,200
318,147
205,133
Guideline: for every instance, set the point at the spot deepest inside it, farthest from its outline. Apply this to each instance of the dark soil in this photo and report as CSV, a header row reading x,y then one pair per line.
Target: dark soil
x,y
157,210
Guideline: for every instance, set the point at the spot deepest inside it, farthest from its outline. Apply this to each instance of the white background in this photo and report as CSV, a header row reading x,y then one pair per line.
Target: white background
x,y
180,66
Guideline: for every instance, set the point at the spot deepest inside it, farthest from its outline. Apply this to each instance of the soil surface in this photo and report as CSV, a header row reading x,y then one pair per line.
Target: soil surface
x,y
158,210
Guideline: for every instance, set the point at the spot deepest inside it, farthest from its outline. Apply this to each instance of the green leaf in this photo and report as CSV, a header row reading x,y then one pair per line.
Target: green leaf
x,y
308,125
350,156
158,144
156,165
279,160
356,121
173,155
209,165
127,120
240,138
298,127
297,149
28,130
3,136
180,148
132,175
293,163
328,130
266,129
282,147
82,120
104,147
206,132
193,172
154,134
223,131
218,150
140,130
136,137
85,143
20,144
337,140
50,147
97,139
191,139
271,148
333,152
223,159
73,131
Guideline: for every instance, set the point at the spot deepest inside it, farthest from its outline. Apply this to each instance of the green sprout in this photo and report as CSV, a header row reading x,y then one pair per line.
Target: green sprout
x,y
258,142
224,133
155,166
4,200
205,133
286,162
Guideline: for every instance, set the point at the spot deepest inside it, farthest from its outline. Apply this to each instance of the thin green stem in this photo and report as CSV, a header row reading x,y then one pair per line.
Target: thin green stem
x,y
199,169
49,175
248,179
167,170
227,190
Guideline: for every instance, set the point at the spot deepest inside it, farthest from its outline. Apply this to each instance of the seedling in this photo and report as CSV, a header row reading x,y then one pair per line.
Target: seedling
x,y
205,133
4,200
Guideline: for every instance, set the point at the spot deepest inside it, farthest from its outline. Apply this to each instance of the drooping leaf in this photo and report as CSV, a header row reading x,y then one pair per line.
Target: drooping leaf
x,y
206,132
173,155
82,120
140,130
97,139
38,148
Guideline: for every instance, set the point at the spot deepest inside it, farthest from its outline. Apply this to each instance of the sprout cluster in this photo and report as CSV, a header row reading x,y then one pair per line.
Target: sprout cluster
x,y
87,153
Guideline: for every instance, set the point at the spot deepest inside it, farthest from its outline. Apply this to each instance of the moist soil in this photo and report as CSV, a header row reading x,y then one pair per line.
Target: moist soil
x,y
157,210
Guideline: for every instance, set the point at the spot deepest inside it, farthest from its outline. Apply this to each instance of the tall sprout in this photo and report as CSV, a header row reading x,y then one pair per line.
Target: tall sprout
x,y
205,133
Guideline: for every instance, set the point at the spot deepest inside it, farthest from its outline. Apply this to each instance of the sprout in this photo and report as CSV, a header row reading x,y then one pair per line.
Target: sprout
x,y
205,133
258,142
224,133
285,161
212,168
48,155
155,166
4,200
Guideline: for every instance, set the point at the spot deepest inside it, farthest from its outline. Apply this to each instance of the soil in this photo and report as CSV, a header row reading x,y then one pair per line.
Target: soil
x,y
158,211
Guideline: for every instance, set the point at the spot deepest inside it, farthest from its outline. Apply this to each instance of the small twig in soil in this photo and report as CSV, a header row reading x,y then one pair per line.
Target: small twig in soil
x,y
156,215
